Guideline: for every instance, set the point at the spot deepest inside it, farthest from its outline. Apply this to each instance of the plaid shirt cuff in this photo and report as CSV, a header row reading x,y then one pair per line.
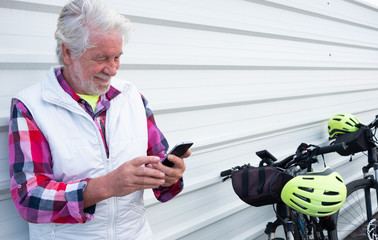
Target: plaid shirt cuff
x,y
164,194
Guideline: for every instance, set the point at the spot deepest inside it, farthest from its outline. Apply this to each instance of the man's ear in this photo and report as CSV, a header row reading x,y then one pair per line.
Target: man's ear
x,y
66,55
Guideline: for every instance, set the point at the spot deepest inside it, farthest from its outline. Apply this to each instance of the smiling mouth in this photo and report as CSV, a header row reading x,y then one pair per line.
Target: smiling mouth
x,y
104,82
103,77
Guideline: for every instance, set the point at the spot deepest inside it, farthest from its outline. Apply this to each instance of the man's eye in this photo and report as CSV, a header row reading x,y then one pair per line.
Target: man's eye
x,y
100,59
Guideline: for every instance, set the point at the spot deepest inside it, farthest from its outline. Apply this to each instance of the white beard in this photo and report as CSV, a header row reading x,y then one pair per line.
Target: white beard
x,y
89,85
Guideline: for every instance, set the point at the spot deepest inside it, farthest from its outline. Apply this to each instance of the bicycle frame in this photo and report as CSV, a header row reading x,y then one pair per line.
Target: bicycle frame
x,y
284,218
372,163
290,219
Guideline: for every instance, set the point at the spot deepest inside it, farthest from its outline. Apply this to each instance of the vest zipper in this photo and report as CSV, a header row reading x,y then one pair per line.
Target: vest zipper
x,y
113,200
108,168
111,226
112,207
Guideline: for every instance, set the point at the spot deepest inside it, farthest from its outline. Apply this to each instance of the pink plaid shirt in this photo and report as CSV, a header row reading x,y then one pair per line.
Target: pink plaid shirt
x,y
37,196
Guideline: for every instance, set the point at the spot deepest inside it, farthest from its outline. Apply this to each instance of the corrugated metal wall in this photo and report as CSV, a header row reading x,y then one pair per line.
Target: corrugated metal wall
x,y
234,76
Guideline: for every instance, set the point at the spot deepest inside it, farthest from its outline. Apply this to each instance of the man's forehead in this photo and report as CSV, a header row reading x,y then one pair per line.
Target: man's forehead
x,y
101,44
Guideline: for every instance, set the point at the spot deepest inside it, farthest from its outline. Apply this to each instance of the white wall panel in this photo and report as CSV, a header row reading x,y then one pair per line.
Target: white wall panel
x,y
234,76
11,224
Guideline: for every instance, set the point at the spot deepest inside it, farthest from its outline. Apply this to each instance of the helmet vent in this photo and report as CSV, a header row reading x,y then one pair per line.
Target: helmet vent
x,y
353,121
308,178
339,179
310,190
298,204
329,203
330,193
301,197
324,213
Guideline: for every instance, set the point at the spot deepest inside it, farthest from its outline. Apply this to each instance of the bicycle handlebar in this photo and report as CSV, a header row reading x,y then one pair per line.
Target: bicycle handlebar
x,y
374,123
304,155
226,173
284,162
330,148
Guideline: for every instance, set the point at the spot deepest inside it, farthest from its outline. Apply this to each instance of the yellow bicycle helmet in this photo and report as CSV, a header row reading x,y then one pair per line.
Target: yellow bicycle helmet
x,y
317,194
342,123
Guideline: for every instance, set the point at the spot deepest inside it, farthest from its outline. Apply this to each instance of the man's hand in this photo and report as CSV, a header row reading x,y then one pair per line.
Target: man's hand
x,y
127,178
132,176
172,174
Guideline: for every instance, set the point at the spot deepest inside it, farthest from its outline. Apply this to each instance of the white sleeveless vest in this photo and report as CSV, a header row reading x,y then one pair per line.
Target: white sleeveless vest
x,y
78,152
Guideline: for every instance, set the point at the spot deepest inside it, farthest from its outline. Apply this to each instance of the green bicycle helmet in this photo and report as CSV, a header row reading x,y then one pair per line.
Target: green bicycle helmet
x,y
317,194
342,123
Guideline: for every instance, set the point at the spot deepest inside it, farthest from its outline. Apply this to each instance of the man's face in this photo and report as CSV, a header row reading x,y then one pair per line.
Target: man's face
x,y
91,73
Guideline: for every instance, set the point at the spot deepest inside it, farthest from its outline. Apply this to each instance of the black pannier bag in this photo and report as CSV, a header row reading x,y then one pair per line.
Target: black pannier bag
x,y
259,186
358,141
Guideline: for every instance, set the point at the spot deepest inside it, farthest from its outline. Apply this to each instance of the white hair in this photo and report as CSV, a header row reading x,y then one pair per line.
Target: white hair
x,y
79,17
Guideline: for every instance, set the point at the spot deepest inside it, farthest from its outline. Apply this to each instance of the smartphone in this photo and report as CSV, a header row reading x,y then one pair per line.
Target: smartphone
x,y
265,154
178,151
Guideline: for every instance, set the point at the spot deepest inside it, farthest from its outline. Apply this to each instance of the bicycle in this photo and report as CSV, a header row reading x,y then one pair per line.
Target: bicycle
x,y
359,207
296,225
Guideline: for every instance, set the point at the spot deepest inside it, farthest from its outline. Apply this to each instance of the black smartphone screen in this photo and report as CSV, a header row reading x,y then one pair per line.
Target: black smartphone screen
x,y
178,151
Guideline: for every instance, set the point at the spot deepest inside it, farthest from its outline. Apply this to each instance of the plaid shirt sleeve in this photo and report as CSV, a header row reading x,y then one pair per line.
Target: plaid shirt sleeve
x,y
158,146
37,196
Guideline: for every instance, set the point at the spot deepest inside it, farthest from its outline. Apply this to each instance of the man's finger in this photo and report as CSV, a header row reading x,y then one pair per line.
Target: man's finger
x,y
145,160
149,172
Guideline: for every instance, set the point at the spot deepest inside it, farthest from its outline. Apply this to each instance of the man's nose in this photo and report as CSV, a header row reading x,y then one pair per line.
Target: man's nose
x,y
111,68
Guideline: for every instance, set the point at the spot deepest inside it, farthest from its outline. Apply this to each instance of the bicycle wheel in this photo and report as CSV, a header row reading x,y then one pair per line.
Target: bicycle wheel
x,y
309,228
317,230
300,226
353,214
320,229
304,227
